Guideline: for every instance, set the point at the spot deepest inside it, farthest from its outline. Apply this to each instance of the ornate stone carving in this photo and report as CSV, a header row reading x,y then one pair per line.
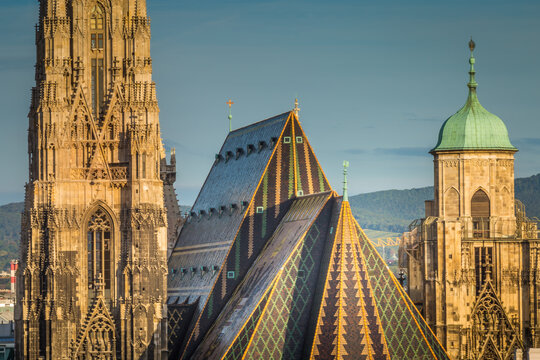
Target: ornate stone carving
x,y
148,216
97,338
480,163
94,112
505,163
492,335
450,163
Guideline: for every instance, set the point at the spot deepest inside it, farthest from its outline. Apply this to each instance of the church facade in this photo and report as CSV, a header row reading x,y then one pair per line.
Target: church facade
x,y
473,259
92,277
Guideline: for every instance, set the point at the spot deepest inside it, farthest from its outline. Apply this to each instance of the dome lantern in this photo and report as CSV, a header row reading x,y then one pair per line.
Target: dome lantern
x,y
473,127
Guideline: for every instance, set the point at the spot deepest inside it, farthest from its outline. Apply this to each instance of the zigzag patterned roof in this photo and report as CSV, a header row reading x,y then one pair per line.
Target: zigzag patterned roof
x,y
364,313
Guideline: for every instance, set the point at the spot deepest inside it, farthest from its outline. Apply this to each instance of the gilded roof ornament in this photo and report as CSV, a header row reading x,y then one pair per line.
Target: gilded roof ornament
x,y
230,103
472,45
296,109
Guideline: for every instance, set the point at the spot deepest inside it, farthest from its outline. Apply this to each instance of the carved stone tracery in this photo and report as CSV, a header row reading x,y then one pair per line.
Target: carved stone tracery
x,y
96,340
84,148
492,335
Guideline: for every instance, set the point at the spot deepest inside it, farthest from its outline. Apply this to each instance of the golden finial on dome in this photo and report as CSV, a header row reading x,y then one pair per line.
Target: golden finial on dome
x,y
472,45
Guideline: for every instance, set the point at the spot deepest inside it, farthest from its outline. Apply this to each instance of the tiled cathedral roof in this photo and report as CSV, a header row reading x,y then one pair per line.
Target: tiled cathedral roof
x,y
287,273
364,313
260,169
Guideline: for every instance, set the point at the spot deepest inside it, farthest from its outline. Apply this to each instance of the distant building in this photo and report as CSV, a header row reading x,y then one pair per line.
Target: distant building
x,y
473,260
271,264
7,326
7,339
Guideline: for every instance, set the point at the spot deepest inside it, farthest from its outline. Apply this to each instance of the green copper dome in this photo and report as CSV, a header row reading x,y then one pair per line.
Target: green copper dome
x,y
473,127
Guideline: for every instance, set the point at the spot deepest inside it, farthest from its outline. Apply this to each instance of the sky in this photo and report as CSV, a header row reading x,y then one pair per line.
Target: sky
x,y
375,80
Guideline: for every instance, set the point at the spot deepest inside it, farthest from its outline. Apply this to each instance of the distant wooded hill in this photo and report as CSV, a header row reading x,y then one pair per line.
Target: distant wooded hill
x,y
10,228
394,210
388,211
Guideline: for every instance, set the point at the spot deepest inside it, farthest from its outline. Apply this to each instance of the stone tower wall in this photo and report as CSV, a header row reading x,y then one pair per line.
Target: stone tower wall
x,y
94,195
461,266
458,176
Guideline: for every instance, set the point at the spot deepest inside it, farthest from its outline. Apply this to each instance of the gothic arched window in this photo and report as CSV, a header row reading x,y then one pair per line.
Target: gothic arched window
x,y
97,46
480,212
99,242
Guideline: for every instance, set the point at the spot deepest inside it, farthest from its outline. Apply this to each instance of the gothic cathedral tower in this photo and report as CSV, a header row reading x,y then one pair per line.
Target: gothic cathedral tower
x,y
94,237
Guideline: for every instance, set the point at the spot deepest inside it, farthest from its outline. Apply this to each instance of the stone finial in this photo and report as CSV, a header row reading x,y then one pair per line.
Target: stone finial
x,y
472,82
100,285
345,181
296,109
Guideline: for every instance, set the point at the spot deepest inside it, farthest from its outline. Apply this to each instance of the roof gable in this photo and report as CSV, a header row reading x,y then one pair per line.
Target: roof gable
x,y
225,240
363,312
238,168
263,298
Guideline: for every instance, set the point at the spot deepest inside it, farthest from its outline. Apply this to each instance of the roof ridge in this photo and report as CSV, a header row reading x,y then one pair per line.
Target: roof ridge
x,y
255,124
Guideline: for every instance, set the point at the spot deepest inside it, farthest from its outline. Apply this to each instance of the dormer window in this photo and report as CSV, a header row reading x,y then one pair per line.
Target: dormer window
x,y
239,152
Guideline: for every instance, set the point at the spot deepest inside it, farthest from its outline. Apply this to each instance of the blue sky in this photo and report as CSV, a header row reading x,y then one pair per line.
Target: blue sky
x,y
375,79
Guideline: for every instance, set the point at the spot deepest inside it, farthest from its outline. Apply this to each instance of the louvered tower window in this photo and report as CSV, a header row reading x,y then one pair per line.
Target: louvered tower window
x,y
97,47
480,212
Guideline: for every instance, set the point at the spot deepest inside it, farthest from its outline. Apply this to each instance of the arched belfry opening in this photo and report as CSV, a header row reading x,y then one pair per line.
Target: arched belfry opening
x,y
480,213
99,251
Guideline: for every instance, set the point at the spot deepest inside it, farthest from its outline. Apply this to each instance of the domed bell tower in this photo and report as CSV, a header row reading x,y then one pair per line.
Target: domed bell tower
x,y
474,170
92,277
471,259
